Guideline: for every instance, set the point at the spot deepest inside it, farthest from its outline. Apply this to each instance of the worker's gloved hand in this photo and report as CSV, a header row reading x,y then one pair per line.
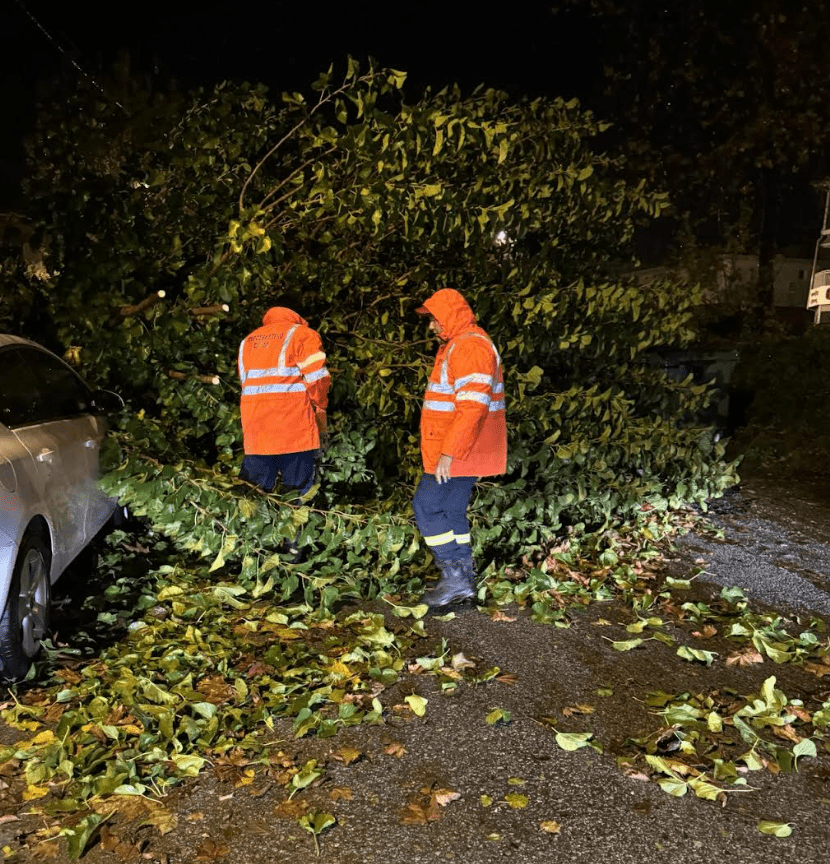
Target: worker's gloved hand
x,y
324,441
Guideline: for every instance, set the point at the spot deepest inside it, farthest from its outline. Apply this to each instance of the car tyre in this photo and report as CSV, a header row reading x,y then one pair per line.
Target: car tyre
x,y
25,620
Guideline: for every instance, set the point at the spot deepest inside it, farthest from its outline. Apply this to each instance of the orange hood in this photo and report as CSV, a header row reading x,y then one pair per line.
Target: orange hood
x,y
451,311
283,315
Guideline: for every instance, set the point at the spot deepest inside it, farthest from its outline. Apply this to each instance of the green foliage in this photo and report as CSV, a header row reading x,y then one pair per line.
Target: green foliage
x,y
351,206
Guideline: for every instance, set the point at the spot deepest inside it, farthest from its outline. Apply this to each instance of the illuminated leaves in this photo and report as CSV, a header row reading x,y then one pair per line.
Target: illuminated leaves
x,y
305,776
696,654
316,823
573,740
497,716
80,834
776,829
418,704
626,645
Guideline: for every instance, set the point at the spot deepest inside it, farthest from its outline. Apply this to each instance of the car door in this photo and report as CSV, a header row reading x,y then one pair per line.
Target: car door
x,y
54,424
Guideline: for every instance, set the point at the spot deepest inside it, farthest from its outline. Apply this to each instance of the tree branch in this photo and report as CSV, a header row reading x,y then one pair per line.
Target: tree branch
x,y
146,303
293,174
323,100
210,310
183,376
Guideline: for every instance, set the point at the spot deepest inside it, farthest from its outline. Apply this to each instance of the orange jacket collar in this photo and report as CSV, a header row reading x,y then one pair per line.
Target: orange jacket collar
x,y
282,315
451,311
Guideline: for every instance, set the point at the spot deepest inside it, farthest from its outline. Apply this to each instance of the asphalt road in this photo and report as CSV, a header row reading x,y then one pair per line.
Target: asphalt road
x,y
576,806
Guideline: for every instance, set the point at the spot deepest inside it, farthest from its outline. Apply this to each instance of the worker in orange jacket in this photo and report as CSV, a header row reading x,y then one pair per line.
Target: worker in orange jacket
x,y
285,384
463,437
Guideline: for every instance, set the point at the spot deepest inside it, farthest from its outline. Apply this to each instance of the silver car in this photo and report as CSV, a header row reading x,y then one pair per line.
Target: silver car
x,y
51,430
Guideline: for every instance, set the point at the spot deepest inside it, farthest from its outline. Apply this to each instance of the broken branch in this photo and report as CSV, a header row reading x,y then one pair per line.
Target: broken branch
x,y
217,309
183,376
146,303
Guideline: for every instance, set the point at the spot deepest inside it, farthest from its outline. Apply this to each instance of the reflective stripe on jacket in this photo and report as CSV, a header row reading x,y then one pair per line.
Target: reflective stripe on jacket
x,y
282,370
463,414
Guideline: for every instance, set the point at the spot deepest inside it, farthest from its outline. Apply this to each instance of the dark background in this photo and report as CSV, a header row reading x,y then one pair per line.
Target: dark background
x,y
521,47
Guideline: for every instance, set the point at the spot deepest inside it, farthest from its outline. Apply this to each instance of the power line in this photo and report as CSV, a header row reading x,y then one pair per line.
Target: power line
x,y
72,60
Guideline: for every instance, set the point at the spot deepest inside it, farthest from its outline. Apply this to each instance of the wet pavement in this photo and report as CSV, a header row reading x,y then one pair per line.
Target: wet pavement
x,y
776,543
577,806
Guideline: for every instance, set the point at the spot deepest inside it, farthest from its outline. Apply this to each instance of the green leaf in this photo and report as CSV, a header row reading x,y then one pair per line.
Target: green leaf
x,y
188,764
306,775
680,584
626,645
805,747
750,758
415,611
733,595
673,786
777,829
573,740
714,722
516,800
317,821
498,715
418,704
697,654
704,789
79,836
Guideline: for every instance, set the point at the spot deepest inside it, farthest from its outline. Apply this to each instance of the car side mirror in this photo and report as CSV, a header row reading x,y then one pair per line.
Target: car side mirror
x,y
107,402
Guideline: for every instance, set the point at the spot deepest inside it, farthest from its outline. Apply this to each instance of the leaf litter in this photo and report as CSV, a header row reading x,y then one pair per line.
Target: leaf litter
x,y
204,654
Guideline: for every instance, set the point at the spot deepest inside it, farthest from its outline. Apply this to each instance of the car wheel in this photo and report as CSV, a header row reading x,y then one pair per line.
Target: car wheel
x,y
25,619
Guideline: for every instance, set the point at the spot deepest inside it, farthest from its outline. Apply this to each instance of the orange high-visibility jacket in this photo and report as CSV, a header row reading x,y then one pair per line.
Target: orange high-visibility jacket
x,y
463,413
282,369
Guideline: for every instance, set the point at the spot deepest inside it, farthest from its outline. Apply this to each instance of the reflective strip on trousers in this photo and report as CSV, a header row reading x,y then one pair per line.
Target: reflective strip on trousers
x,y
439,539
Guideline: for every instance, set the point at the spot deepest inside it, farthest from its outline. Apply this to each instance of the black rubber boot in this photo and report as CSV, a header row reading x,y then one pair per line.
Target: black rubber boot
x,y
468,569
291,549
452,587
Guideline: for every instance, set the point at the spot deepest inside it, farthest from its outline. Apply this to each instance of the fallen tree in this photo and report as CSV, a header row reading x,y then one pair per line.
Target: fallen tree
x,y
169,227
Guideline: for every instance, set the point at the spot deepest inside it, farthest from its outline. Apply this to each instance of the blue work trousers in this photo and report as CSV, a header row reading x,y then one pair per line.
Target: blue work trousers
x,y
296,469
441,515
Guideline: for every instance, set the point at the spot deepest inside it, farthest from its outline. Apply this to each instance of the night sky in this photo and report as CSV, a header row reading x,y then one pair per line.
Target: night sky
x,y
518,46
